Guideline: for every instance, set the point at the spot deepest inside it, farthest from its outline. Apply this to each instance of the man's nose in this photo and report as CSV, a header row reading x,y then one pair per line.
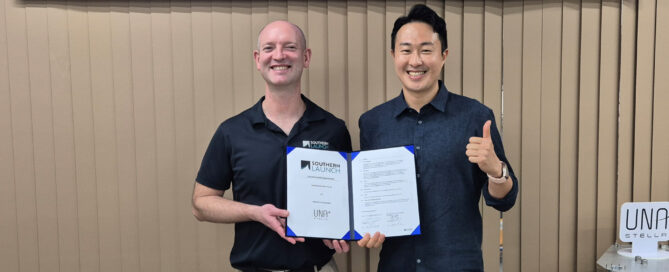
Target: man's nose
x,y
415,59
278,54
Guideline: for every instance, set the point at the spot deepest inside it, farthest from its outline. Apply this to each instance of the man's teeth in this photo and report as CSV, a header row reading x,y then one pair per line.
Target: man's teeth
x,y
416,73
280,67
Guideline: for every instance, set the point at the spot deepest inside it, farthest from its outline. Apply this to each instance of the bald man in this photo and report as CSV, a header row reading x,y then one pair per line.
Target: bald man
x,y
248,151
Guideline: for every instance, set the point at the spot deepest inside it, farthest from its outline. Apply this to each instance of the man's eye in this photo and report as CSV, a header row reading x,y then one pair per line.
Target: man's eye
x,y
426,51
267,49
405,51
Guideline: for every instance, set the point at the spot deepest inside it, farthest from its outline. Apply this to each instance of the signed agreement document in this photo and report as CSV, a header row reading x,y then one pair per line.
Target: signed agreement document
x,y
339,195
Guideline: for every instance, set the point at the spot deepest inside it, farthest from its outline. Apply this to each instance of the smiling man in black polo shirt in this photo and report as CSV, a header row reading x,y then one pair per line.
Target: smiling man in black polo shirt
x,y
459,154
248,151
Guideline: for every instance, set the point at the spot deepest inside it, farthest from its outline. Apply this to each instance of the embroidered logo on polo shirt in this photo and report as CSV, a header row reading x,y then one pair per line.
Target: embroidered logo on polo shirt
x,y
315,144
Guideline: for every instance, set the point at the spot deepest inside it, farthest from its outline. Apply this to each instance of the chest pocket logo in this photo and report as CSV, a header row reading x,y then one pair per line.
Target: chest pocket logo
x,y
315,144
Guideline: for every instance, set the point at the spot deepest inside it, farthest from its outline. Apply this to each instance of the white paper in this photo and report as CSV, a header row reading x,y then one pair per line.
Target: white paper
x,y
384,192
317,193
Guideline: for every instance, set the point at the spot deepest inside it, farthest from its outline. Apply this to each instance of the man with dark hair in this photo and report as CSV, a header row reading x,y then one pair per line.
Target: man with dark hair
x,y
248,151
459,154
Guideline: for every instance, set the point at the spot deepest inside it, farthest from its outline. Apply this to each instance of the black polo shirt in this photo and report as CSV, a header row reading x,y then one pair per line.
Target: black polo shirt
x,y
249,152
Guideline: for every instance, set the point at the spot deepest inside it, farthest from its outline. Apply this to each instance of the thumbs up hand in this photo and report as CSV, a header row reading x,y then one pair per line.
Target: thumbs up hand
x,y
481,151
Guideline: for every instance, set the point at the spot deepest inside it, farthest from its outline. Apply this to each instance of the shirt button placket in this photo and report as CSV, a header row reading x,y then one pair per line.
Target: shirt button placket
x,y
418,142
418,135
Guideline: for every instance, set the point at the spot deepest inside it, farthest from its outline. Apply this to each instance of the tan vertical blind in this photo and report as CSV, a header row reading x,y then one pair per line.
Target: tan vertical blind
x,y
106,108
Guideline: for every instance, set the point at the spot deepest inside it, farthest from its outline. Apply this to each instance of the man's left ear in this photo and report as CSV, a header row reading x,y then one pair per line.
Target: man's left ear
x,y
256,53
307,57
444,54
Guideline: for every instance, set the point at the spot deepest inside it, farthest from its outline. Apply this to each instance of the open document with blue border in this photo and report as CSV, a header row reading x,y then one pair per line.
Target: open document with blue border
x,y
339,195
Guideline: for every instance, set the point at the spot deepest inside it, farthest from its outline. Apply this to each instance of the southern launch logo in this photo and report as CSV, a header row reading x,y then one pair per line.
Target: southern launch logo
x,y
316,144
320,167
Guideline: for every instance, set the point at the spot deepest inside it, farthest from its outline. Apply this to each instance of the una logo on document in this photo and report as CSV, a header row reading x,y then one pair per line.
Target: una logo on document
x,y
315,144
321,214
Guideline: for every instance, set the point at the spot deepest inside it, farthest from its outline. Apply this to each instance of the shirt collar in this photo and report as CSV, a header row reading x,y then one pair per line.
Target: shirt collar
x,y
311,113
438,102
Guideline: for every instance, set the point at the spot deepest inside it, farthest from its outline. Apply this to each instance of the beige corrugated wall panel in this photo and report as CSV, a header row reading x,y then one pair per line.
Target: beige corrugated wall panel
x,y
551,60
492,97
394,10
24,165
643,108
105,136
453,14
626,105
608,126
63,126
223,107
9,251
278,10
259,18
472,50
356,67
165,140
571,12
492,59
376,55
203,82
89,254
42,122
242,60
660,171
318,68
587,136
184,113
337,58
512,59
531,126
125,137
259,12
145,135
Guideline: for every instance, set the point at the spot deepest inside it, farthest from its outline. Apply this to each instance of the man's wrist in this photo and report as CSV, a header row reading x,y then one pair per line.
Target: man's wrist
x,y
501,176
499,173
252,212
